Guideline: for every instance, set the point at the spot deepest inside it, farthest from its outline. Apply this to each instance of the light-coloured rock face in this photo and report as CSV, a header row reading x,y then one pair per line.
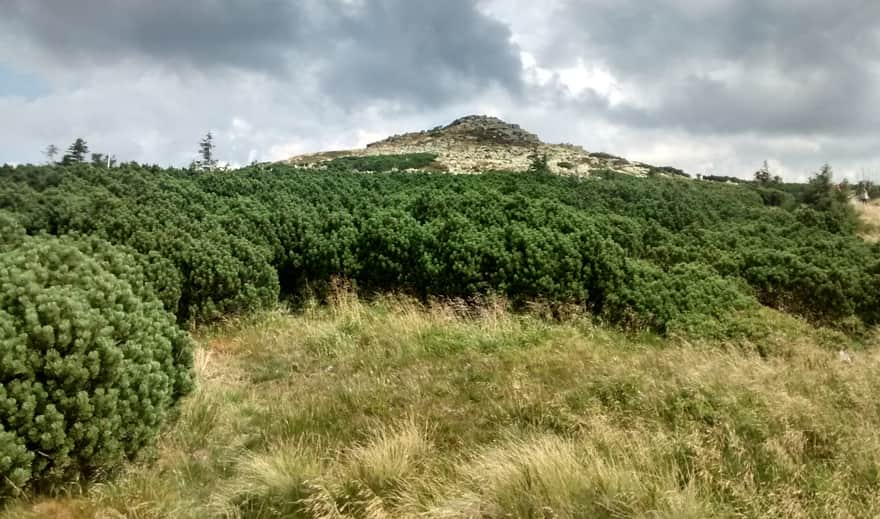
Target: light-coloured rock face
x,y
478,143
470,130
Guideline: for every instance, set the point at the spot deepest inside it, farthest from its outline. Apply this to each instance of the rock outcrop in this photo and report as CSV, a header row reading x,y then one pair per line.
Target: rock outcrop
x,y
470,130
479,143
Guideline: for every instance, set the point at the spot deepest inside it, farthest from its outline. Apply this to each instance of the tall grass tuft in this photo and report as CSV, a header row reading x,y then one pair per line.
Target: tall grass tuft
x,y
460,409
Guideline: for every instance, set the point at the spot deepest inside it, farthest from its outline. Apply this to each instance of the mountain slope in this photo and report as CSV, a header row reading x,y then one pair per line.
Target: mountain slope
x,y
481,143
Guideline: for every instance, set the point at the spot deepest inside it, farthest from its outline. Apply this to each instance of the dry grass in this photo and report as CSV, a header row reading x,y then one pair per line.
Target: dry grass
x,y
600,474
393,409
870,216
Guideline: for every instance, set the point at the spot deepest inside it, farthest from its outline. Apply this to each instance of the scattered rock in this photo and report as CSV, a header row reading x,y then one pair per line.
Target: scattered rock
x,y
478,143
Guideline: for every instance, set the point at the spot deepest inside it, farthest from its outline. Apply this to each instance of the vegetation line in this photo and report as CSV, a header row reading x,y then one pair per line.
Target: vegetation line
x,y
676,348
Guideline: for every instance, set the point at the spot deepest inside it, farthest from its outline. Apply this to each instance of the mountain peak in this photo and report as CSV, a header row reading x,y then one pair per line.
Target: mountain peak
x,y
476,143
484,128
471,130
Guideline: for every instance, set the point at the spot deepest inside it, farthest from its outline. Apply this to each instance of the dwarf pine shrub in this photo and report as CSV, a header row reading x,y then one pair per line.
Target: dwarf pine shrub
x,y
660,253
10,231
90,363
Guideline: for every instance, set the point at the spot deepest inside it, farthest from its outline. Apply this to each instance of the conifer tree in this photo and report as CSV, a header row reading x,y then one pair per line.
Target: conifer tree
x,y
538,163
206,151
76,153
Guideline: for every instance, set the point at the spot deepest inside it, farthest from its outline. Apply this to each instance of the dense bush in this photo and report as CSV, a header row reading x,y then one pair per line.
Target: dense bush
x,y
606,156
11,233
652,251
686,297
667,170
722,178
97,264
90,362
379,163
777,198
148,274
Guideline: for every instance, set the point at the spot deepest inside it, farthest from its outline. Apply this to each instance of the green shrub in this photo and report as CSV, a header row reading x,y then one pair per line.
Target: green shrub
x,y
379,163
147,274
215,243
222,275
605,156
390,246
688,297
538,164
11,232
777,198
667,170
90,363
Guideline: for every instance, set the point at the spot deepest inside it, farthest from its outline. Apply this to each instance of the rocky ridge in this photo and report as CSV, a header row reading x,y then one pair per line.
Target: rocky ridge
x,y
481,143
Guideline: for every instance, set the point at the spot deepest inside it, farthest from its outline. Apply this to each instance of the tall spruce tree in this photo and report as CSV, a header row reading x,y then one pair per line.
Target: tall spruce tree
x,y
76,153
206,151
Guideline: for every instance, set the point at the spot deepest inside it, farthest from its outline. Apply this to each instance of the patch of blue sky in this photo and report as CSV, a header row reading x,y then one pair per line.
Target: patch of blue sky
x,y
18,83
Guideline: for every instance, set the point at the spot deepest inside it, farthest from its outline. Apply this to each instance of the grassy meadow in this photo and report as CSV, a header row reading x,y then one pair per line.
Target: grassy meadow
x,y
703,349
391,408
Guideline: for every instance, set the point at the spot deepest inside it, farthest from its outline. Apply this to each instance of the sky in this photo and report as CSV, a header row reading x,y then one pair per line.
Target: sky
x,y
709,86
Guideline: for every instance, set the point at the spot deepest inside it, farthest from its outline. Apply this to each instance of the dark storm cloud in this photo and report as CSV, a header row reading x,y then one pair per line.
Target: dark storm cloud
x,y
706,85
201,33
730,66
427,52
424,50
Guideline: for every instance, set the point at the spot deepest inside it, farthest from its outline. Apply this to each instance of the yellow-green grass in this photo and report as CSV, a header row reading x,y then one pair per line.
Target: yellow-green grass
x,y
870,218
393,409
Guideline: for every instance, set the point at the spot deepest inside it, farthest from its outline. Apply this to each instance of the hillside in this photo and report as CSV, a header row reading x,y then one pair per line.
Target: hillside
x,y
392,409
280,341
480,143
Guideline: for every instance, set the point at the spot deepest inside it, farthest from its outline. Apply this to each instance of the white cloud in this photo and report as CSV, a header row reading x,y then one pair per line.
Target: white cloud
x,y
671,89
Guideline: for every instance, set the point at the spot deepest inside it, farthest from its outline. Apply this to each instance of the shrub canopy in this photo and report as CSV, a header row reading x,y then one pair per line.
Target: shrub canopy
x,y
90,361
631,250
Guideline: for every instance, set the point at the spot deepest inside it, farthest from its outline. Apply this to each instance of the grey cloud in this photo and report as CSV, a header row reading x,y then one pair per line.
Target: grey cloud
x,y
200,33
740,105
711,85
640,39
427,52
730,66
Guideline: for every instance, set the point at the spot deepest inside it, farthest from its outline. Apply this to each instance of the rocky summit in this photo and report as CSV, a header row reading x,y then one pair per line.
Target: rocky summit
x,y
473,130
477,143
